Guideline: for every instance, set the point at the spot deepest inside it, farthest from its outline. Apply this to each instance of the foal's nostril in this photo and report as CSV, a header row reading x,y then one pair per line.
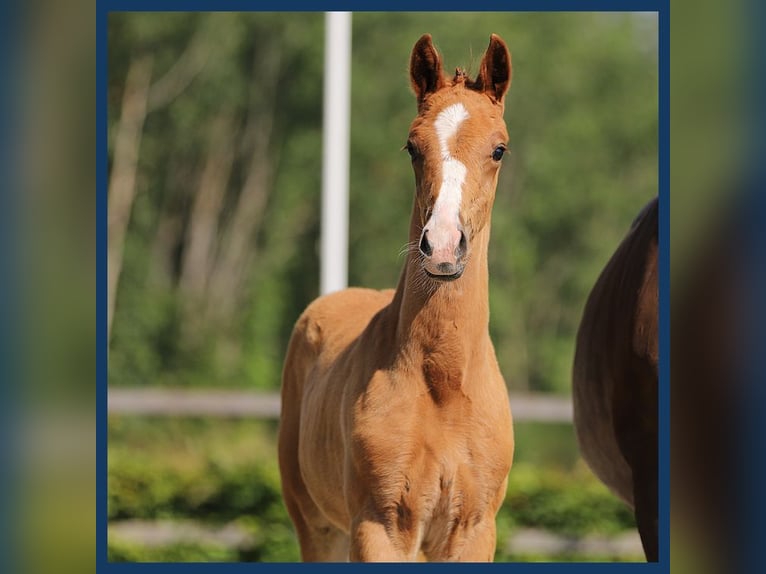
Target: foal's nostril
x,y
425,245
462,247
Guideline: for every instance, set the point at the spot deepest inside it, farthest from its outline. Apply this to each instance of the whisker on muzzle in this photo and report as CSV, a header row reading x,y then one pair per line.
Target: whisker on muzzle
x,y
409,247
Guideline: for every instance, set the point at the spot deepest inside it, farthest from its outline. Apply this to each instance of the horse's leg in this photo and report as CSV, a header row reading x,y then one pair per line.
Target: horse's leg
x,y
372,542
320,541
646,501
475,543
636,432
481,546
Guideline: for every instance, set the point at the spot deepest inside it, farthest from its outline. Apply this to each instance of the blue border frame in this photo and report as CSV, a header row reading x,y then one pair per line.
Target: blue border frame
x,y
103,8
381,6
13,331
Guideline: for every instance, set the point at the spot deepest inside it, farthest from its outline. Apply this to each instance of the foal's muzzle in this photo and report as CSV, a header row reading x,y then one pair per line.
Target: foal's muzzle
x,y
443,252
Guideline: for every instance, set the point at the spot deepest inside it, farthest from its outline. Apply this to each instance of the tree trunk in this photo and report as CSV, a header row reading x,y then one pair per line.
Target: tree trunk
x,y
202,230
234,259
122,183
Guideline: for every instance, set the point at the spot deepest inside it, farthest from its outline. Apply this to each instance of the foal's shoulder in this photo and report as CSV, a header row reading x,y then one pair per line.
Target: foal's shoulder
x,y
346,310
351,300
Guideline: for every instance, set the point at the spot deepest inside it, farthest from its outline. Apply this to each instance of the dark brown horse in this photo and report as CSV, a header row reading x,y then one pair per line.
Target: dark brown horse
x,y
615,375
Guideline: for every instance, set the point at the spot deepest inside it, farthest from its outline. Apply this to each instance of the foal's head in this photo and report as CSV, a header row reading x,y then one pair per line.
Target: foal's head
x,y
456,142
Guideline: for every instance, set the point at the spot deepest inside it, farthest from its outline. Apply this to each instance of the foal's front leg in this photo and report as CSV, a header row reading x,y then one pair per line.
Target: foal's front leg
x,y
374,541
480,546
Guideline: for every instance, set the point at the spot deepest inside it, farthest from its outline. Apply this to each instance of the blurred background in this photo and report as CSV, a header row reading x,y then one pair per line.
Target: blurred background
x,y
214,150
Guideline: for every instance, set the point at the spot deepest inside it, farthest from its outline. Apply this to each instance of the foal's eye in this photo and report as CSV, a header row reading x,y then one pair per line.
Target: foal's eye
x,y
497,154
411,149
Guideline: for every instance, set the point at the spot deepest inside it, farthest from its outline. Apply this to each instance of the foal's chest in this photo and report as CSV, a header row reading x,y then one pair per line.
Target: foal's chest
x,y
443,469
462,483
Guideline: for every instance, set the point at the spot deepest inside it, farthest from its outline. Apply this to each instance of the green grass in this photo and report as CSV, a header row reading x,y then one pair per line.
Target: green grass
x,y
118,551
212,470
219,471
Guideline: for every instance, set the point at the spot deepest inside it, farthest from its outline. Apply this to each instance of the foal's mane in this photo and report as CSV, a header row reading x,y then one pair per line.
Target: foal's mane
x,y
461,76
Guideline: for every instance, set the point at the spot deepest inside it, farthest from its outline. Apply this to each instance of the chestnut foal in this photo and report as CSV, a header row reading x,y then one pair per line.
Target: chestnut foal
x,y
396,438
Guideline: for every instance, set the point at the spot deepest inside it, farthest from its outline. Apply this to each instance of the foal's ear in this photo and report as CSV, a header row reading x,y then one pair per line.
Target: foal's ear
x,y
495,73
425,68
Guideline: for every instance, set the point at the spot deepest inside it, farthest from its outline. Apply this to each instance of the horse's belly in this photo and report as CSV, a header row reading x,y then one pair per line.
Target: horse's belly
x,y
594,424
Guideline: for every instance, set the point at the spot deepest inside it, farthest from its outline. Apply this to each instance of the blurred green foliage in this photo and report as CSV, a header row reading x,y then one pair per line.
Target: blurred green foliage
x,y
216,472
582,115
225,472
566,502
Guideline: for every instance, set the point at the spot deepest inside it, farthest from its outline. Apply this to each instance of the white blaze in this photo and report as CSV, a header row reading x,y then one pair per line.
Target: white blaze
x,y
447,207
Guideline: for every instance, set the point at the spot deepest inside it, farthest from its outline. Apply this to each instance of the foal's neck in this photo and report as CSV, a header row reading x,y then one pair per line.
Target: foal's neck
x,y
433,315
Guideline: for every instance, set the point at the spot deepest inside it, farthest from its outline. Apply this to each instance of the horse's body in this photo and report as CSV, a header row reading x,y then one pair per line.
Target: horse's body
x,y
615,375
396,436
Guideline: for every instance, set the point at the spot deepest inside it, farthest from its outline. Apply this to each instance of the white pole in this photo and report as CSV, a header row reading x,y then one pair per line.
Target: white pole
x,y
335,151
